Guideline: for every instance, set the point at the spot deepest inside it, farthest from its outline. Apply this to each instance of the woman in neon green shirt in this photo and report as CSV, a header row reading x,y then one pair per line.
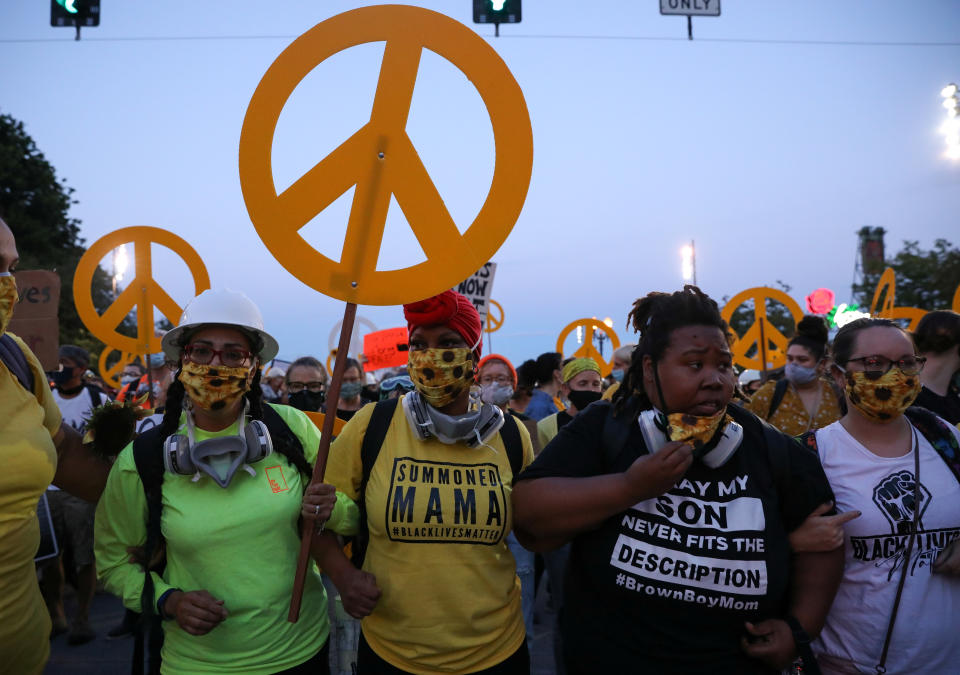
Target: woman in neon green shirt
x,y
230,506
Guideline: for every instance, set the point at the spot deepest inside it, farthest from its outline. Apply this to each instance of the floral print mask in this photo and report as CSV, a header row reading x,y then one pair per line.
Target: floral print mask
x,y
441,375
8,299
885,398
214,387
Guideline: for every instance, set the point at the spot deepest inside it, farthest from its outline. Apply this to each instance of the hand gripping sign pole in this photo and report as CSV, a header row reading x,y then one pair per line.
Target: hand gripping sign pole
x,y
381,161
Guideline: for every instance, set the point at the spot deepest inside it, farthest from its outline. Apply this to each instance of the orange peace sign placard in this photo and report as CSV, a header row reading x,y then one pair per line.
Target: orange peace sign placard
x,y
380,160
494,322
888,309
776,356
142,291
590,327
956,299
111,374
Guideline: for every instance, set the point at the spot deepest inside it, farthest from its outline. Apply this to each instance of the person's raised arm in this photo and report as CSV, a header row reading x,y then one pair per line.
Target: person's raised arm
x,y
79,470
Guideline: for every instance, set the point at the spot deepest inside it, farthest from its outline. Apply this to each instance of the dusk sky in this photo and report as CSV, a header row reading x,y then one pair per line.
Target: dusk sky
x,y
770,139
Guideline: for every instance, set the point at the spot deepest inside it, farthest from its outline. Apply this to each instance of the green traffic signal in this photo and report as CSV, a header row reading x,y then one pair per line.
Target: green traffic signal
x,y
496,11
69,5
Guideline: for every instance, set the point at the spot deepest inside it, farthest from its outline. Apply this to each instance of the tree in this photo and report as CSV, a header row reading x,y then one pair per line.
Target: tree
x,y
925,279
35,204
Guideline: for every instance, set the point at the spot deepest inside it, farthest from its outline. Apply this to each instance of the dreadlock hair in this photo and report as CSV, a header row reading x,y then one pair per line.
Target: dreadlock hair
x,y
655,316
284,442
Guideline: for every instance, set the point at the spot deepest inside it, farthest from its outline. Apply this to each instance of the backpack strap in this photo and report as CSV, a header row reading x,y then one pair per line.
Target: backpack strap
x,y
779,391
510,435
16,362
94,395
938,434
809,441
373,438
148,456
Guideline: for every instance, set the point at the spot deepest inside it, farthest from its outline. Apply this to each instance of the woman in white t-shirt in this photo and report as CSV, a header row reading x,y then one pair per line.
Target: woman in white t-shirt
x,y
872,457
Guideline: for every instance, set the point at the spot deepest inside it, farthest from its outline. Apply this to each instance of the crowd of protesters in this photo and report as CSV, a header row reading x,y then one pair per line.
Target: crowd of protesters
x,y
690,519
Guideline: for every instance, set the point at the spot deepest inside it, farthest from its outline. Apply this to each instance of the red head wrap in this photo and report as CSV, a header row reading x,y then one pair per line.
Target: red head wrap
x,y
449,309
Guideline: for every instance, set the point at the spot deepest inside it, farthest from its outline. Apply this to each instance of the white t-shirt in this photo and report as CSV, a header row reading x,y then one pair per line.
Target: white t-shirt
x,y
76,410
925,635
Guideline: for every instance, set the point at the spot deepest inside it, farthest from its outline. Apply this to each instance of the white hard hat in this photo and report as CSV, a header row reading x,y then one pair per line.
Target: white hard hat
x,y
748,376
221,307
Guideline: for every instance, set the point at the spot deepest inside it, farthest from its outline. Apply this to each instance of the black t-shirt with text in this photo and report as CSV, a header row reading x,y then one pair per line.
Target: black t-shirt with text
x,y
665,586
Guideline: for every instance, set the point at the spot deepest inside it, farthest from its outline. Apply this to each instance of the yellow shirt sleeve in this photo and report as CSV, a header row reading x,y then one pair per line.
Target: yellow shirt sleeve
x,y
345,471
547,429
41,389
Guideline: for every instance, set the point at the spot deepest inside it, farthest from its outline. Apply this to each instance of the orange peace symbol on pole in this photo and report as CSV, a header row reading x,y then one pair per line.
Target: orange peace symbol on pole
x,y
111,374
956,299
333,355
587,350
143,292
494,323
887,309
761,332
380,160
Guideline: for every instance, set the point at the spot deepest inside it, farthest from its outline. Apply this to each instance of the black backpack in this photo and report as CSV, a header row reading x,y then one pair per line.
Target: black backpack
x,y
373,438
16,362
148,456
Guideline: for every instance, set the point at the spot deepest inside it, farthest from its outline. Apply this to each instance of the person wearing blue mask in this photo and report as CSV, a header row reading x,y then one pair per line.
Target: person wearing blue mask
x,y
351,387
621,364
804,400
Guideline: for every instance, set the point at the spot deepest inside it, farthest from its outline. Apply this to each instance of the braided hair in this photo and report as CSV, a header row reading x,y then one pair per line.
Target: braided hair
x,y
284,441
655,316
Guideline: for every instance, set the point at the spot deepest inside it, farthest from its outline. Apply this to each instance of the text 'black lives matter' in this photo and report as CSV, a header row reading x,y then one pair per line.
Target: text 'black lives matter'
x,y
445,503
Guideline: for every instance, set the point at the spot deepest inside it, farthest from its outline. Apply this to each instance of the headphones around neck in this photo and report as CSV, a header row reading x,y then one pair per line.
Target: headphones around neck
x,y
727,440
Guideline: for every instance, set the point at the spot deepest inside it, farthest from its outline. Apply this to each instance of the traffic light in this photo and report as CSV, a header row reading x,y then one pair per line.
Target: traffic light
x,y
74,13
496,11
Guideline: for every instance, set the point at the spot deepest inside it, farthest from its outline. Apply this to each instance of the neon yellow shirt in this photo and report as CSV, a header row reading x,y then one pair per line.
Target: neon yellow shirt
x,y
28,422
438,517
240,544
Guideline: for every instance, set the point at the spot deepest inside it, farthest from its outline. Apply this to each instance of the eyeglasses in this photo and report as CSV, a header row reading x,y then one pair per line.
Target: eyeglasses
x,y
499,379
297,387
231,357
876,366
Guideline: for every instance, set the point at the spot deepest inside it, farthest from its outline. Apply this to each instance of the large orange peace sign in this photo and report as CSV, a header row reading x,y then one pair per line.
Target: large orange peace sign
x,y
587,350
142,291
776,357
380,160
494,322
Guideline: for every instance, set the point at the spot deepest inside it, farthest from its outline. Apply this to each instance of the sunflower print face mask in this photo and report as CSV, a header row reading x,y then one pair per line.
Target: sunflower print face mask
x,y
441,375
884,399
696,431
214,387
8,299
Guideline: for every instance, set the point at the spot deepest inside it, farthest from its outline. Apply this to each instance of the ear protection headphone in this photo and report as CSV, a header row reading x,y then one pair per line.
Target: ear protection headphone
x,y
725,442
183,455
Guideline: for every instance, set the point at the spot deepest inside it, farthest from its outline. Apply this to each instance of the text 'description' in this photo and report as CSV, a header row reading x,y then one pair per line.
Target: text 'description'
x,y
744,577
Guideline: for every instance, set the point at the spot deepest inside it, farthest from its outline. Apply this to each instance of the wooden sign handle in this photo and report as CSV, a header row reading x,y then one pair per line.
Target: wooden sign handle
x,y
326,436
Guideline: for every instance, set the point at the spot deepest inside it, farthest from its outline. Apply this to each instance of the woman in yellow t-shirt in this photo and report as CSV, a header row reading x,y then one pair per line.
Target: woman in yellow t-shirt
x,y
36,448
809,401
438,589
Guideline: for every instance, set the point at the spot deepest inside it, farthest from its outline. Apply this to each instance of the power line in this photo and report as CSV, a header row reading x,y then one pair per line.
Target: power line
x,y
508,36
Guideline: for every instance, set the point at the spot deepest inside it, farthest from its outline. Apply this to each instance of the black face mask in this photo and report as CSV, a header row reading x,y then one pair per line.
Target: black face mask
x,y
61,377
311,401
581,399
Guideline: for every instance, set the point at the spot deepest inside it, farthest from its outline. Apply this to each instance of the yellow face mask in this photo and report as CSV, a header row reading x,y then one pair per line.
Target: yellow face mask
x,y
8,299
884,399
693,430
214,387
441,375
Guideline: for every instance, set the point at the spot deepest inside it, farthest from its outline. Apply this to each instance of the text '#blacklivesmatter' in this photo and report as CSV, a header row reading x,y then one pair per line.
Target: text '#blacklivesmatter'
x,y
445,502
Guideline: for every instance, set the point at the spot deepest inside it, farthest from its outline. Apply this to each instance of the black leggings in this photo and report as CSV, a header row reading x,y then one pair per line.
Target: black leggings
x,y
318,664
368,663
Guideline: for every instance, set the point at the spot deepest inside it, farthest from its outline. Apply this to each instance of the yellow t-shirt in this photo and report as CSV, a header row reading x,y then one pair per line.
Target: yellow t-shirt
x,y
438,517
28,422
791,417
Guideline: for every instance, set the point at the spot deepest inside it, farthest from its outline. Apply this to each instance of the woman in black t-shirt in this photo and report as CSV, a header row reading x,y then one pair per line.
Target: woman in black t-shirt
x,y
938,339
678,506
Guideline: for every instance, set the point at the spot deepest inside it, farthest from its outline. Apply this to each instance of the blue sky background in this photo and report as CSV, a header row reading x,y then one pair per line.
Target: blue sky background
x,y
767,150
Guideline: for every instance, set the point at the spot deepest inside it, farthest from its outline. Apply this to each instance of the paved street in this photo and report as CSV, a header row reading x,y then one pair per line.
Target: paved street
x,y
112,657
